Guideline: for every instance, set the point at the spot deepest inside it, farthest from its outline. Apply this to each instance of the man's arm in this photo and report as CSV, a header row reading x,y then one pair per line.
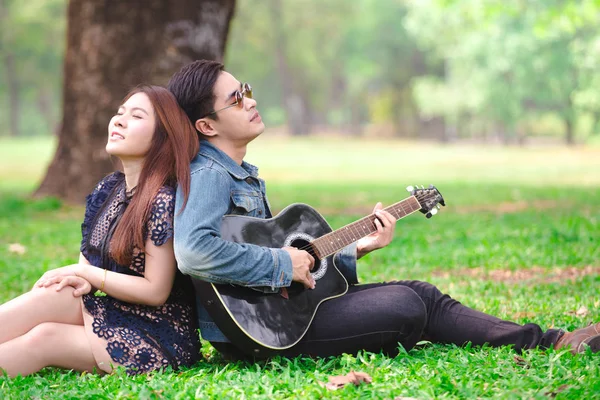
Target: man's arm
x,y
345,259
345,262
202,253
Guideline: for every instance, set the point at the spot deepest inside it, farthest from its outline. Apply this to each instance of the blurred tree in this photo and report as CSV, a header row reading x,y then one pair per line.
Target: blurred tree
x,y
297,106
499,69
31,48
10,71
385,53
509,62
111,47
327,63
288,49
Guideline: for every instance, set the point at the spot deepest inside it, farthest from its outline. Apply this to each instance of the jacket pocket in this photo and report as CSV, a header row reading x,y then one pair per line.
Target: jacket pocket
x,y
245,203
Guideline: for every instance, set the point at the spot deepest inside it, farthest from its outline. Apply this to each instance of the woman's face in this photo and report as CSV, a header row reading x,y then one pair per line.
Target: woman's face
x,y
131,130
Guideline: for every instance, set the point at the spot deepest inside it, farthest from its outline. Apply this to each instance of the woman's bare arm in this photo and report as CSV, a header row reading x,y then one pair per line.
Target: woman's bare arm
x,y
152,289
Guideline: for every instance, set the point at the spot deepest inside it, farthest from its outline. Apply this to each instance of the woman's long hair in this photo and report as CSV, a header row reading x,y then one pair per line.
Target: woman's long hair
x,y
174,145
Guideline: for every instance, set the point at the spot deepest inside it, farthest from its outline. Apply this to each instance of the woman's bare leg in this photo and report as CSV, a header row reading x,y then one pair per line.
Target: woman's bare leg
x,y
98,345
48,344
40,305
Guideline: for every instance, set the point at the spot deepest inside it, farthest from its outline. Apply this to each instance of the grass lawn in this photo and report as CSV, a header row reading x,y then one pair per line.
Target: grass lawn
x,y
518,239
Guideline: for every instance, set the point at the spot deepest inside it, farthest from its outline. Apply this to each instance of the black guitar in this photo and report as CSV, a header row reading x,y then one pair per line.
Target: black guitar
x,y
263,325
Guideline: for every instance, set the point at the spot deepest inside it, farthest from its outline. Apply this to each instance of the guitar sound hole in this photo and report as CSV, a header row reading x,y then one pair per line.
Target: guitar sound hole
x,y
303,244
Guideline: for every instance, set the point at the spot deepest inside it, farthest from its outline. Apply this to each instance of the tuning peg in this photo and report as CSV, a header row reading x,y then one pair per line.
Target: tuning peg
x,y
434,211
410,188
438,206
422,187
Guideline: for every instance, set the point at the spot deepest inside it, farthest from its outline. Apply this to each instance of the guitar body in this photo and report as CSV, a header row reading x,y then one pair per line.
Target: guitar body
x,y
262,325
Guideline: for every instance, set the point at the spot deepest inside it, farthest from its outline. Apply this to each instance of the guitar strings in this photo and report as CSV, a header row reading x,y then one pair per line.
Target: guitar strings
x,y
310,246
393,209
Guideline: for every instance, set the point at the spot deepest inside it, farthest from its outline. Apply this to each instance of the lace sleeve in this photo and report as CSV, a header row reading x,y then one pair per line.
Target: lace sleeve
x,y
160,223
93,202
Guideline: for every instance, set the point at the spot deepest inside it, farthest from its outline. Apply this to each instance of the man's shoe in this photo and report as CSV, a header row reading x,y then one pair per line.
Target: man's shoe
x,y
580,339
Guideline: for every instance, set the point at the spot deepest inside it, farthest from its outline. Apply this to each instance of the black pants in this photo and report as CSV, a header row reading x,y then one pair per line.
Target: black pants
x,y
377,317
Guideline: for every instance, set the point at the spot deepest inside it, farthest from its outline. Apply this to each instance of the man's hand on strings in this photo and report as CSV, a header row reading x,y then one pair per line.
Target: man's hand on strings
x,y
302,263
385,224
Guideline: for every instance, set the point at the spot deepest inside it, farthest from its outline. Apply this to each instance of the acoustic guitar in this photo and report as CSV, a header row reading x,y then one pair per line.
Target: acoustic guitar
x,y
263,325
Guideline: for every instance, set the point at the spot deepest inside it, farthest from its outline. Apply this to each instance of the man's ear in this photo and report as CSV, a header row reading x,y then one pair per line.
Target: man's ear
x,y
205,126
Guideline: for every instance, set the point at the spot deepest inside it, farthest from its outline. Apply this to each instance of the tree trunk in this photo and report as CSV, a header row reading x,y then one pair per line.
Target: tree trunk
x,y
355,123
111,47
294,104
10,70
569,118
44,105
569,131
595,123
14,101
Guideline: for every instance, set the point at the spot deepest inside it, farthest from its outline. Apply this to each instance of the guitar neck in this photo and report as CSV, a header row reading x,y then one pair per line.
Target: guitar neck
x,y
334,241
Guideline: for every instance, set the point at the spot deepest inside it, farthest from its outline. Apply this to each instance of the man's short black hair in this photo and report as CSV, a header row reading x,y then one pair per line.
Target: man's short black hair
x,y
193,88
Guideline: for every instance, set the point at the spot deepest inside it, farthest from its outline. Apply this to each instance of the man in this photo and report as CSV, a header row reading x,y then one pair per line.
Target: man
x,y
373,317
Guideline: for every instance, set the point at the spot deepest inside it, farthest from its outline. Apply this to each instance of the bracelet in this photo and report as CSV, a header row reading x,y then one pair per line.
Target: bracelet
x,y
103,280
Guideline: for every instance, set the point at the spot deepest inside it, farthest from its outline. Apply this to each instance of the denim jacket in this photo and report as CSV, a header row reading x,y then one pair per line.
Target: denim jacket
x,y
220,186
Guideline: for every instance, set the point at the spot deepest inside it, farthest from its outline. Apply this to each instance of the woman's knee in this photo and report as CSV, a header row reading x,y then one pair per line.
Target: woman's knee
x,y
63,305
49,295
42,336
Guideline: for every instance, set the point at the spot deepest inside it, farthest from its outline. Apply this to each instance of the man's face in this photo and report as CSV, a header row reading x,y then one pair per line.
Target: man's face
x,y
235,124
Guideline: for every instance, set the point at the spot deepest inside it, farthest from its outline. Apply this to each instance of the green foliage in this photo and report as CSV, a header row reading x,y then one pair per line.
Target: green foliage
x,y
34,34
490,70
538,217
23,160
343,56
509,61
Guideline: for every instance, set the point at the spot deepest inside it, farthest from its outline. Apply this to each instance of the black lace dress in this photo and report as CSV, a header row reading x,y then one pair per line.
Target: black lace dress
x,y
141,338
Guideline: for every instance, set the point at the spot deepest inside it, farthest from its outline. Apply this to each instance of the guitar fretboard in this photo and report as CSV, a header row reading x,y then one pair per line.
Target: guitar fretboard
x,y
334,241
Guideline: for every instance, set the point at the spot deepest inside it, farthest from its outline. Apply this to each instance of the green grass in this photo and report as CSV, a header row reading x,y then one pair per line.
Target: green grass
x,y
534,212
23,162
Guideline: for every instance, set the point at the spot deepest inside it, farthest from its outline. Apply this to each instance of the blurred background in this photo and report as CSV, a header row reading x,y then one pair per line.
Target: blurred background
x,y
495,102
518,73
501,71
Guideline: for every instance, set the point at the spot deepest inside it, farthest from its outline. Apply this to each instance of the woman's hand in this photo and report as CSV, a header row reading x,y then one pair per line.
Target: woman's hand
x,y
80,285
69,270
385,224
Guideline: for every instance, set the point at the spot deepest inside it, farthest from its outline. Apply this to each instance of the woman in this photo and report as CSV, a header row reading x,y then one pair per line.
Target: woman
x,y
147,319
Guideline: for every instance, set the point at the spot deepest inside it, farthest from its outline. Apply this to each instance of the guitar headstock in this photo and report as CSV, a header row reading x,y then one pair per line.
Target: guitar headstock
x,y
429,199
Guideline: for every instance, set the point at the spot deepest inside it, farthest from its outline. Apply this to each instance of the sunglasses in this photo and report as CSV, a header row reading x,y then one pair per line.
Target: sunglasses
x,y
239,98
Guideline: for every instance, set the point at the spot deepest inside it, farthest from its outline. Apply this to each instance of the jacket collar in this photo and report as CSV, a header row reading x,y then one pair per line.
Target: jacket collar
x,y
207,149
